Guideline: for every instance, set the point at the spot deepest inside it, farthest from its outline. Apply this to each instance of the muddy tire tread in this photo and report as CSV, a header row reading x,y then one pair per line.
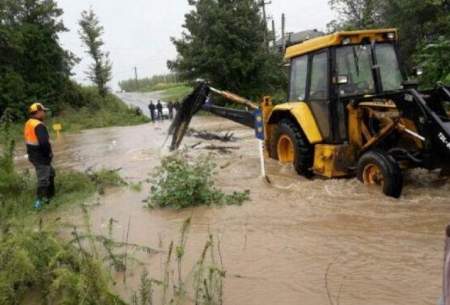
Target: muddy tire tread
x,y
304,151
393,177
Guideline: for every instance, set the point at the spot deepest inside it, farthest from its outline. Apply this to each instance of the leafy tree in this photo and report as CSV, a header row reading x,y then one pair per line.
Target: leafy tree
x,y
224,43
420,22
33,65
424,29
100,72
356,14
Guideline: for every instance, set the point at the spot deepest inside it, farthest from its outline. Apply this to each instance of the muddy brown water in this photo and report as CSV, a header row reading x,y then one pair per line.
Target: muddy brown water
x,y
278,247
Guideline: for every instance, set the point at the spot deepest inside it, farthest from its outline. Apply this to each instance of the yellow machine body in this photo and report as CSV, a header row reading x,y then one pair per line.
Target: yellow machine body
x,y
336,39
332,160
302,114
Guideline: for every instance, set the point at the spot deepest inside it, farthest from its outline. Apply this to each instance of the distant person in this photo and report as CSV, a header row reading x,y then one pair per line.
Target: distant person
x,y
152,109
40,154
159,107
177,106
171,107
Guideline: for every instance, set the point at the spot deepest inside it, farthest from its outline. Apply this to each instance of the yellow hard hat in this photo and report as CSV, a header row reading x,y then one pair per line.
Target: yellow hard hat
x,y
37,107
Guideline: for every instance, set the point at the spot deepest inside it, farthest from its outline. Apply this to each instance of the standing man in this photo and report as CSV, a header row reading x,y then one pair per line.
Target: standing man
x,y
40,154
152,109
159,107
170,106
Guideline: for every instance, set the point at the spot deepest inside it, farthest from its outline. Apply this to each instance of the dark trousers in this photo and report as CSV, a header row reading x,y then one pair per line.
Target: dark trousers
x,y
45,180
152,115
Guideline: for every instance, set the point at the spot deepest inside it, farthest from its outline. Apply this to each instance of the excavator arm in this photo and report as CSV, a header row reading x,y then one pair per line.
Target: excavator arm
x,y
202,99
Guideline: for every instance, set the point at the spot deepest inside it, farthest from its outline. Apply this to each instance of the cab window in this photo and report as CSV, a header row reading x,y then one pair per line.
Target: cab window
x,y
355,62
391,76
299,72
319,77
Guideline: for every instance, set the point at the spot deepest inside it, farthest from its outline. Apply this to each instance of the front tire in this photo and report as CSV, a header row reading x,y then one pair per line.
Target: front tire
x,y
289,145
377,168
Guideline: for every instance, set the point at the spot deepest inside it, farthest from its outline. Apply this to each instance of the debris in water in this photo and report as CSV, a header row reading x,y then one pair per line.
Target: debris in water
x,y
221,149
210,136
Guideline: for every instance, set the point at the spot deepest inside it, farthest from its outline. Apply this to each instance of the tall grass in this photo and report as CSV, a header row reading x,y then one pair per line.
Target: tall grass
x,y
206,277
99,113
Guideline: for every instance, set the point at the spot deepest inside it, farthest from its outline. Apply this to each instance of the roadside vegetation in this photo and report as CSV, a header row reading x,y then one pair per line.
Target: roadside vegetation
x,y
169,85
35,261
97,112
181,183
203,285
34,67
147,84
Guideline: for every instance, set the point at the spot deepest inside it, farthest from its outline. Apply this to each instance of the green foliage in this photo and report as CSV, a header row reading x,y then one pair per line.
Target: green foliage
x,y
177,93
97,112
33,65
100,72
356,14
224,43
435,58
179,184
34,259
206,277
105,178
424,29
154,83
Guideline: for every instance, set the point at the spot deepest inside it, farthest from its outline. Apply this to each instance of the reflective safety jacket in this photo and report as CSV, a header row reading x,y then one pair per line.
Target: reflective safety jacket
x,y
38,144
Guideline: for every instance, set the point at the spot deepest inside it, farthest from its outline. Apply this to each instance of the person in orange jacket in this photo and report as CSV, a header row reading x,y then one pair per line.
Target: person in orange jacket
x,y
39,149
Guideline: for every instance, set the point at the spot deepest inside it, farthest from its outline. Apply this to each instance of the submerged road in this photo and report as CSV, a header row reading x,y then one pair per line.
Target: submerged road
x,y
296,242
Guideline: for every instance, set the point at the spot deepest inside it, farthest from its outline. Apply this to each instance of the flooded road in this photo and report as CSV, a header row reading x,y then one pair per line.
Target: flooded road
x,y
278,247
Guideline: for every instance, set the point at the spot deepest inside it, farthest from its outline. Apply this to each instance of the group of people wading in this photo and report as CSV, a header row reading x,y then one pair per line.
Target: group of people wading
x,y
156,110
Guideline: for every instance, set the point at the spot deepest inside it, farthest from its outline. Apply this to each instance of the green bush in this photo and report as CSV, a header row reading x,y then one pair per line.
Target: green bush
x,y
178,184
58,272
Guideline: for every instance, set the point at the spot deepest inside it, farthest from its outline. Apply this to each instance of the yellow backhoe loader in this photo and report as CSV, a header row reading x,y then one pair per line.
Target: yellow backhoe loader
x,y
351,111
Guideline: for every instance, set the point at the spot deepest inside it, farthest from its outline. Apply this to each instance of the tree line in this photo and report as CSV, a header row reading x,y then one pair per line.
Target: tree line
x,y
423,25
224,41
33,64
148,83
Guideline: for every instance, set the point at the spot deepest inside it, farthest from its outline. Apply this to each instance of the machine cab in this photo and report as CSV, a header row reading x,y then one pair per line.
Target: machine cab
x,y
330,71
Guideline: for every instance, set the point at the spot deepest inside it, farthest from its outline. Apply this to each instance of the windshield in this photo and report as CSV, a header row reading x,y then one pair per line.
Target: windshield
x,y
391,76
355,62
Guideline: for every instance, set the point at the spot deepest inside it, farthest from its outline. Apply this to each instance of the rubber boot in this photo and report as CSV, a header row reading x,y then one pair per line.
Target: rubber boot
x,y
51,189
37,205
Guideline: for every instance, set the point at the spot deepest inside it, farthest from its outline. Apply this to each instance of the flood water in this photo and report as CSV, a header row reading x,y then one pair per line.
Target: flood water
x,y
278,247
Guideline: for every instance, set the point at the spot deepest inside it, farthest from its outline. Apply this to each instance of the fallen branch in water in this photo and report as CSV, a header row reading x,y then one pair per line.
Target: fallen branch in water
x,y
209,136
221,149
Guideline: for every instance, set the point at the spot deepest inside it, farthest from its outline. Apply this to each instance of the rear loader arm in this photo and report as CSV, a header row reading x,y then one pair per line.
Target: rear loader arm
x,y
200,99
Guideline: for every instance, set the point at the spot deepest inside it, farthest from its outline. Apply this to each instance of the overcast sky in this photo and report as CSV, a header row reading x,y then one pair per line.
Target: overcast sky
x,y
137,32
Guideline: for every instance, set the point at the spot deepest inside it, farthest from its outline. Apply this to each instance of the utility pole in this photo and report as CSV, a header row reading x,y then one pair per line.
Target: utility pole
x,y
136,78
283,32
263,4
274,35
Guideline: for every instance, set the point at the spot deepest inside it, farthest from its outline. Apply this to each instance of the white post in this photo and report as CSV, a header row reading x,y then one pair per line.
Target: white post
x,y
261,157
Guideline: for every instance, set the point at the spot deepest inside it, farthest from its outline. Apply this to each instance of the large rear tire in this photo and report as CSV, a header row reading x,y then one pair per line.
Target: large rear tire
x,y
377,168
289,145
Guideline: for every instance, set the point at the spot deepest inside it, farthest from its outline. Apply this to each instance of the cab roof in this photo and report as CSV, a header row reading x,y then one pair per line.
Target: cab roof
x,y
336,39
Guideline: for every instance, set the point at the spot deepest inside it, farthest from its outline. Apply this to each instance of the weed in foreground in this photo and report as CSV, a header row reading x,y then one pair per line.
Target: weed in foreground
x,y
179,183
207,277
33,259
